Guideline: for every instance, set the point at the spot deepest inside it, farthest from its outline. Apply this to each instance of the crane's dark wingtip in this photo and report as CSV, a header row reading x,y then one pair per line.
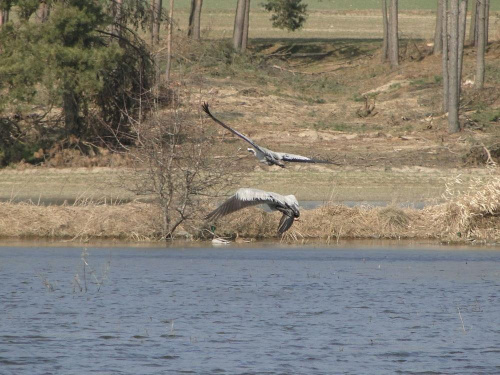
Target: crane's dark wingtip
x,y
205,108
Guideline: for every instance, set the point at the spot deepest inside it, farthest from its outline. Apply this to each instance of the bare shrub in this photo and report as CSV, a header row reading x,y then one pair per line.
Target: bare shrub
x,y
177,164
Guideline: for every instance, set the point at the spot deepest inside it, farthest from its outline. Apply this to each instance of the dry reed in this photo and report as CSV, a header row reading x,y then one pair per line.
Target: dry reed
x,y
131,221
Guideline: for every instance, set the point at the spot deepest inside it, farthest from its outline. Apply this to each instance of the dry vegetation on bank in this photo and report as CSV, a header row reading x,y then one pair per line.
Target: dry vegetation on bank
x,y
471,216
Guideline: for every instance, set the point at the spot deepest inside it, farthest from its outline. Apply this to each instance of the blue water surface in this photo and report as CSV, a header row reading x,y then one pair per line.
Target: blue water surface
x,y
249,311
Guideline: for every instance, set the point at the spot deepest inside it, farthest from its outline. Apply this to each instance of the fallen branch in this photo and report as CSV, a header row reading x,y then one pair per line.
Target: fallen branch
x,y
490,160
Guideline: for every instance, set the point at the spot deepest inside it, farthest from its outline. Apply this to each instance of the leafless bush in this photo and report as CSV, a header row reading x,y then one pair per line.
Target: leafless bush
x,y
177,164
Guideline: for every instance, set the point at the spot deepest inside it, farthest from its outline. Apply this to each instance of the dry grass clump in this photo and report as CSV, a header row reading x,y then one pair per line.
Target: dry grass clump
x,y
337,221
329,222
131,221
249,223
471,214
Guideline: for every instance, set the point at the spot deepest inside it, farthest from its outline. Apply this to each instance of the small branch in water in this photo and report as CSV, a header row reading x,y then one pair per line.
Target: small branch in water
x,y
460,315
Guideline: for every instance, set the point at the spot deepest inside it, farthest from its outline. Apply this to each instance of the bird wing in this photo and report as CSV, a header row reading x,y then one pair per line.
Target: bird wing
x,y
285,223
300,159
242,136
243,198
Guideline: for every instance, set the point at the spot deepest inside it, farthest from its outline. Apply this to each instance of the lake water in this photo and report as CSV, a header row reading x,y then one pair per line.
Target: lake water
x,y
249,311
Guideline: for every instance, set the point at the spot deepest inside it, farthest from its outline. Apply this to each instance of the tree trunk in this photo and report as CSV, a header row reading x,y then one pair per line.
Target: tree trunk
x,y
462,25
4,17
117,17
473,23
445,56
246,22
195,19
43,12
156,9
169,40
239,21
71,109
438,36
481,44
159,6
486,22
191,18
393,34
385,42
153,18
453,100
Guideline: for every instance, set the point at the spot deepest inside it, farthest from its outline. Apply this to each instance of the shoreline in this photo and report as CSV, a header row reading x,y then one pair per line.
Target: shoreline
x,y
177,244
465,220
467,214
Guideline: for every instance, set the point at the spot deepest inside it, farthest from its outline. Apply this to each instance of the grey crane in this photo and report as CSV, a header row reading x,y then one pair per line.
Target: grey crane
x,y
263,154
246,197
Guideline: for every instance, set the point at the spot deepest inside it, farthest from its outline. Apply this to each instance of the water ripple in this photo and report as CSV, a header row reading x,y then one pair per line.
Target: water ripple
x,y
252,311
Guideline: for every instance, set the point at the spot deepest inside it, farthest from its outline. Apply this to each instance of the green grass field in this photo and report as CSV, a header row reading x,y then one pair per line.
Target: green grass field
x,y
358,19
314,5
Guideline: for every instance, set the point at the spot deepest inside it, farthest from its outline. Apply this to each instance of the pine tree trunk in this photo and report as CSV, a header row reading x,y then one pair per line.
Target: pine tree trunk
x,y
169,40
195,19
239,21
156,10
473,23
117,17
453,99
246,21
191,18
481,44
4,17
462,25
445,57
486,22
438,36
393,34
385,42
43,12
159,6
71,109
153,20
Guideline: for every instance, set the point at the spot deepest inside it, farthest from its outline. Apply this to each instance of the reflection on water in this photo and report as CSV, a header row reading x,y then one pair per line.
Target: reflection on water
x,y
249,311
